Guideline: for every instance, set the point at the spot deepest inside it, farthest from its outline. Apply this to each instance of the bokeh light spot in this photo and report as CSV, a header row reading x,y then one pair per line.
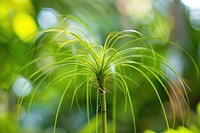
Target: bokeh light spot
x,y
32,120
47,18
4,8
193,7
195,18
22,87
24,26
175,59
193,4
138,8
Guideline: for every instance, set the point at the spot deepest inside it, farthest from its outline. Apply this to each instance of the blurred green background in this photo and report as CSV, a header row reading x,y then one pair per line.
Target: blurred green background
x,y
174,20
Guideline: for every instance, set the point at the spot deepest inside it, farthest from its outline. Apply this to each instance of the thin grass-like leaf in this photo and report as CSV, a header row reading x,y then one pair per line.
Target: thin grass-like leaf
x,y
59,105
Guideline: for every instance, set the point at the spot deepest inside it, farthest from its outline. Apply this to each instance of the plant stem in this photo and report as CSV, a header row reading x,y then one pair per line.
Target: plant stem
x,y
103,112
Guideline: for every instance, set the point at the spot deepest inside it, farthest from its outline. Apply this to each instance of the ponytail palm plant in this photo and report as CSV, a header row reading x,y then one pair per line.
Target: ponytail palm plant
x,y
82,62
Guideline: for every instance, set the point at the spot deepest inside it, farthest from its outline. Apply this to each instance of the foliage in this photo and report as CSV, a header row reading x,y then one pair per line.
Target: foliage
x,y
195,128
77,58
169,20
